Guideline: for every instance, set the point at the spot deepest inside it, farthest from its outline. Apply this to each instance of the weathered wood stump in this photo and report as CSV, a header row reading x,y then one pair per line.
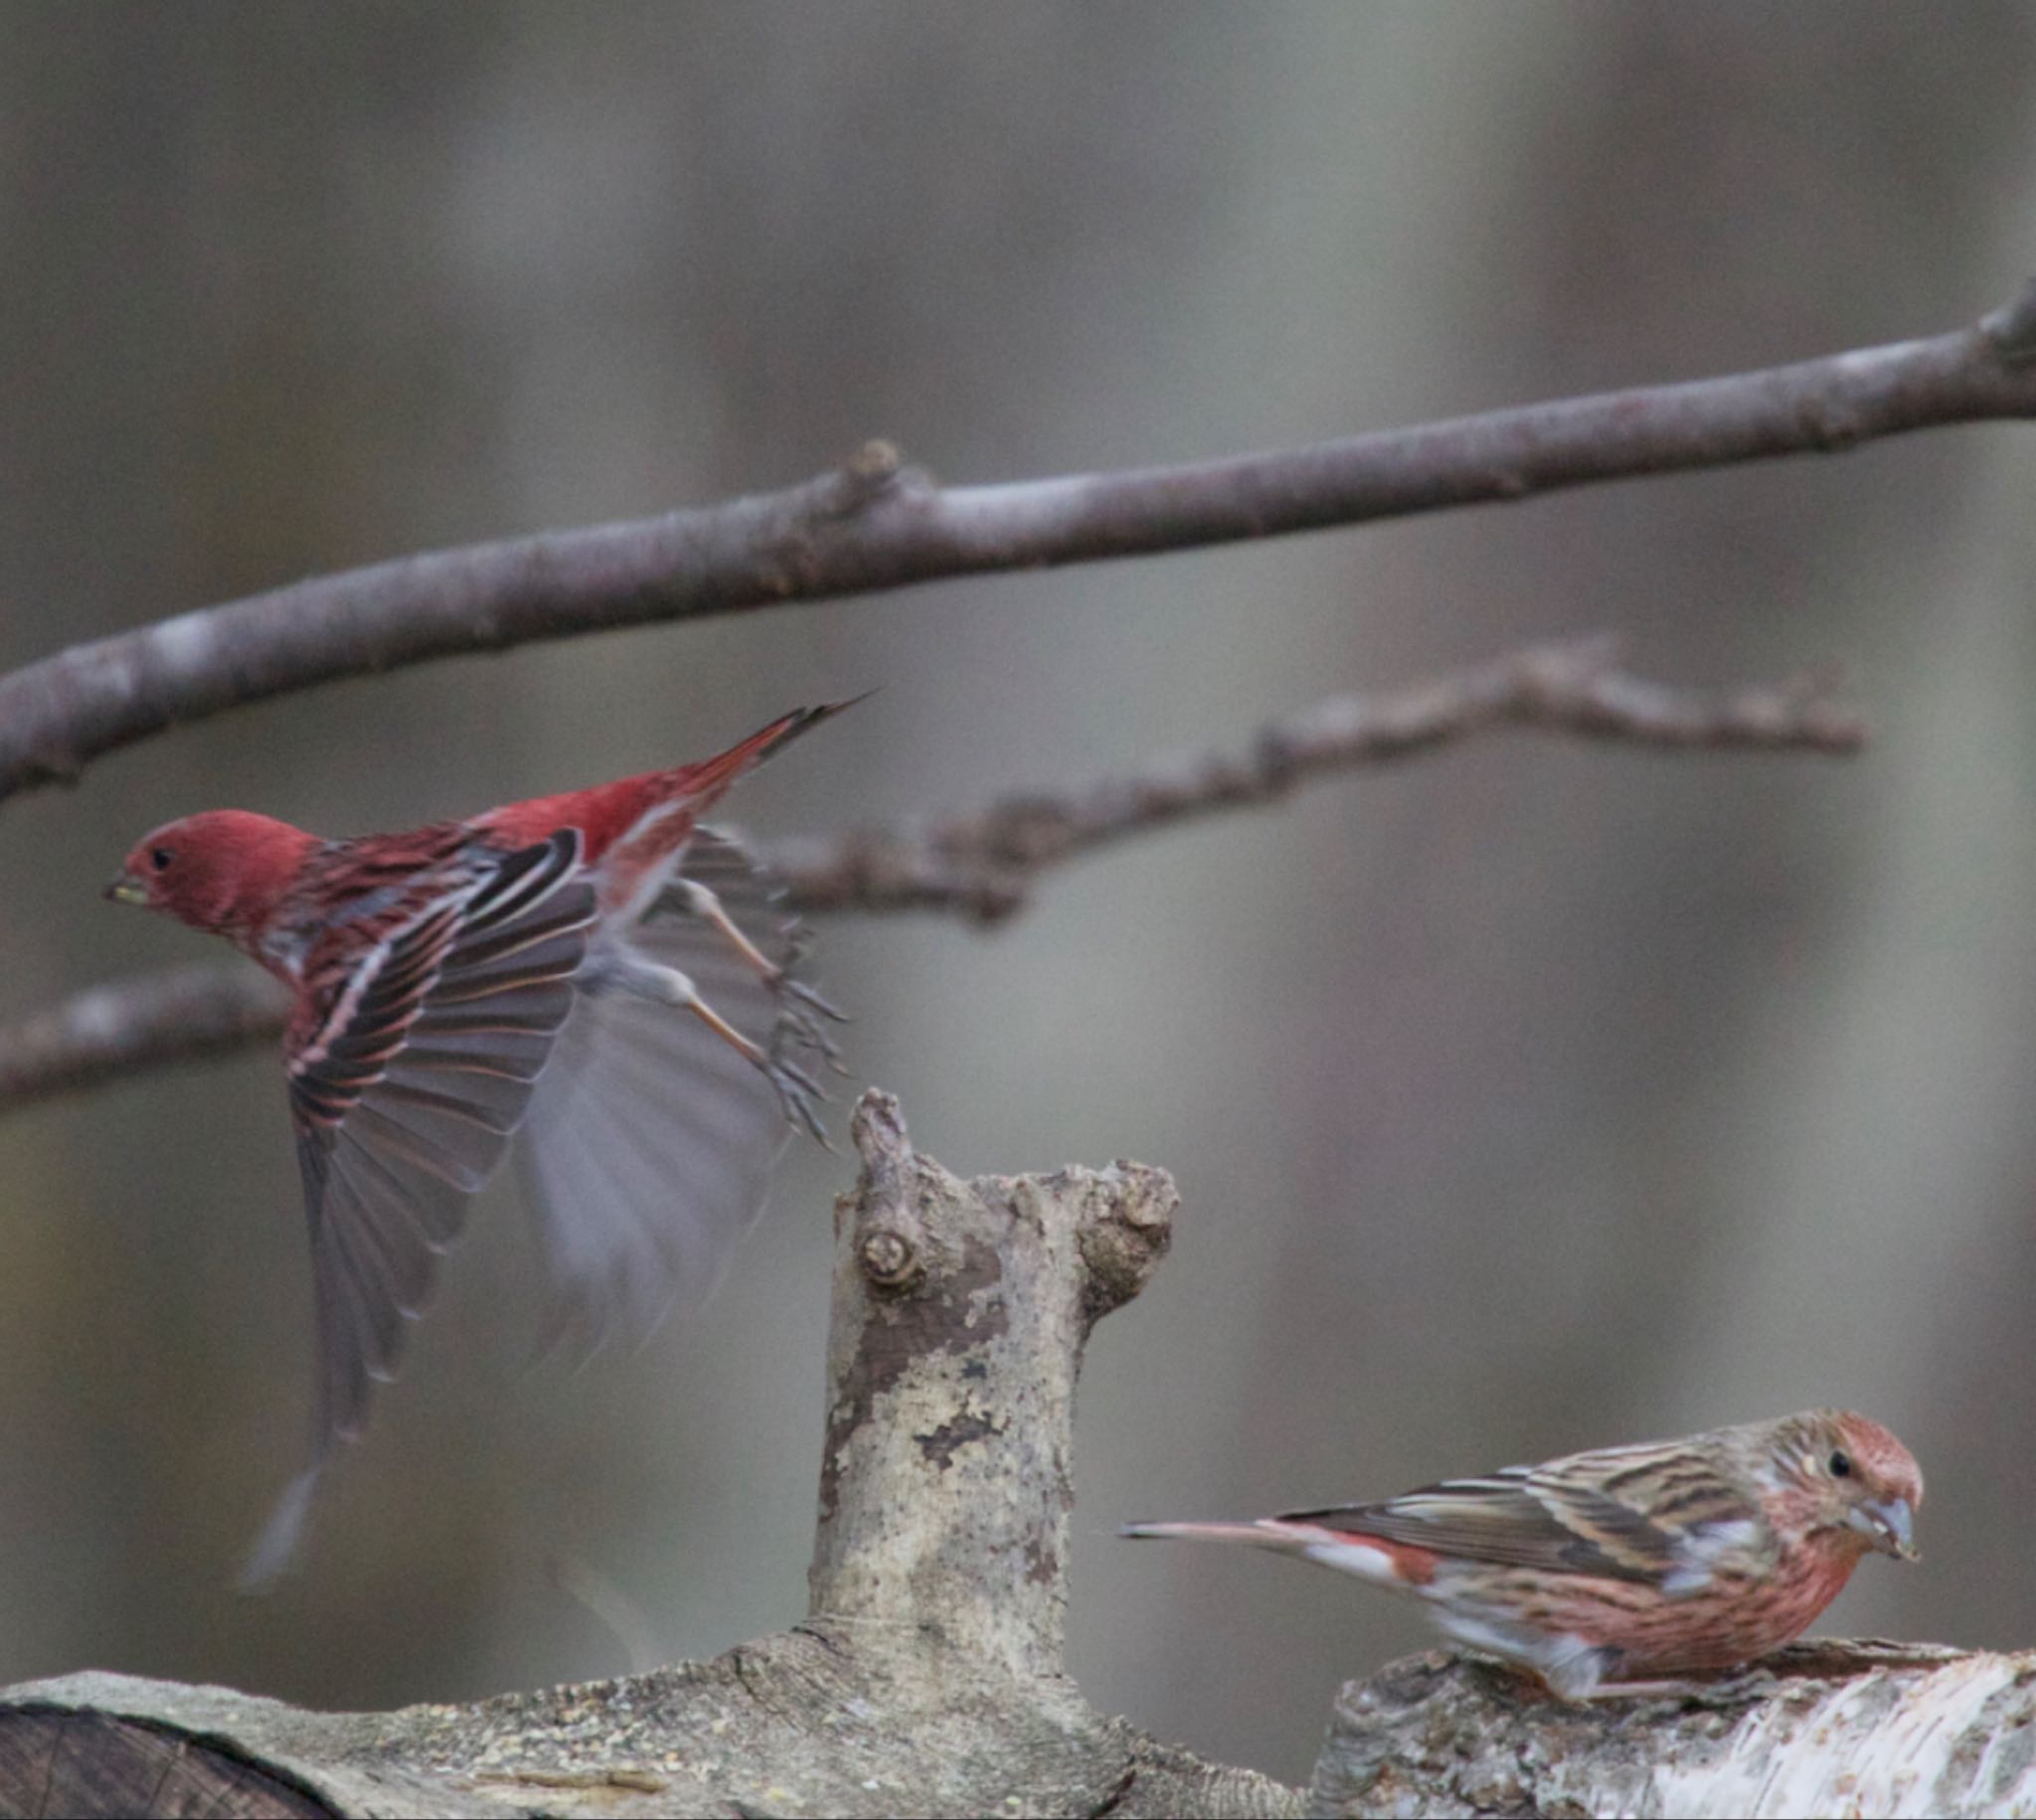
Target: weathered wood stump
x,y
927,1675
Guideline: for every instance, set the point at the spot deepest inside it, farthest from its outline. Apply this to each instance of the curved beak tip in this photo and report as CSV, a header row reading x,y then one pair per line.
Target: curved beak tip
x,y
126,888
1890,1526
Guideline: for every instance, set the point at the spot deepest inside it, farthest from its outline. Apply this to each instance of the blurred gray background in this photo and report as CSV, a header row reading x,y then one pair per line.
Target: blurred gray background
x,y
1526,1098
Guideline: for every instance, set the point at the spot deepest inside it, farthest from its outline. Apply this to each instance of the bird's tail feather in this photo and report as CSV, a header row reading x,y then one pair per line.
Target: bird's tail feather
x,y
713,775
1258,1534
276,1547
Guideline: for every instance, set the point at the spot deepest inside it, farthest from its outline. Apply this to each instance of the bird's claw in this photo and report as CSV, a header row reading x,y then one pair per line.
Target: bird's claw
x,y
798,1028
795,1037
797,1093
803,1014
811,1000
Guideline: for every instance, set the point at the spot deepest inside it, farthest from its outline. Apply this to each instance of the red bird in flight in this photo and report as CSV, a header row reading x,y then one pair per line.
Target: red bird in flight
x,y
1615,1571
545,967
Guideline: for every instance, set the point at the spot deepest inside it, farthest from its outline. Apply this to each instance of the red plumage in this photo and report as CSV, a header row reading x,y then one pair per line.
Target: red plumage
x,y
1614,1572
523,971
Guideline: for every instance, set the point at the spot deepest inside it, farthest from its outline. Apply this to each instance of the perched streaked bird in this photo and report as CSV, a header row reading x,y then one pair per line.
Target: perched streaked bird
x,y
593,970
1616,1572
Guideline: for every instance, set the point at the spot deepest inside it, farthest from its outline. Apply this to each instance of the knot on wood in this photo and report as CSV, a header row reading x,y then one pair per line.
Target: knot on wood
x,y
877,1129
1128,1235
2012,328
864,477
874,465
890,1259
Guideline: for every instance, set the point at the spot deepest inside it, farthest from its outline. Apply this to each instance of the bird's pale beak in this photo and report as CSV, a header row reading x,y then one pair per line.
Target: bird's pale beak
x,y
1890,1525
126,888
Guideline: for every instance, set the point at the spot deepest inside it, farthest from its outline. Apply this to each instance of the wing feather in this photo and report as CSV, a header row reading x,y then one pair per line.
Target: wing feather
x,y
406,1096
650,1142
1641,1514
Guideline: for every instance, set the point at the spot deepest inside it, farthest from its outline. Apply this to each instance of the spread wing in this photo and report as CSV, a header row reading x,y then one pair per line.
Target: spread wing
x,y
1657,1514
651,1140
405,1095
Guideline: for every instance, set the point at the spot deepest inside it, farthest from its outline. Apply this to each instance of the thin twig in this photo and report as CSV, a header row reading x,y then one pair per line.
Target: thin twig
x,y
981,866
181,1014
877,523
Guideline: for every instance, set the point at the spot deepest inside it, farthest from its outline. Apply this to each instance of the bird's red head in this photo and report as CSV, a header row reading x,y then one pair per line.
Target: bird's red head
x,y
1850,1481
224,872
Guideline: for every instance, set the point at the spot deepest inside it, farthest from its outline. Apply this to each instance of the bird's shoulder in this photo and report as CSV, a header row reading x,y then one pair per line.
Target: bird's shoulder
x,y
354,896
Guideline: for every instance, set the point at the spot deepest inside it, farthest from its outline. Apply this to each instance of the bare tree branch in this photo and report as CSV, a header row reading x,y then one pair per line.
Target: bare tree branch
x,y
875,523
181,1014
981,866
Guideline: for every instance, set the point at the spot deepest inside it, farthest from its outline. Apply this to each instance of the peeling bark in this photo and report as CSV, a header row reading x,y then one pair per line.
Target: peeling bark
x,y
1820,1728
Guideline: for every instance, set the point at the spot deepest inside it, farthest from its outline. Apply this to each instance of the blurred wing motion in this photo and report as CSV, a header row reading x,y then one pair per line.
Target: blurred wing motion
x,y
405,1095
651,1140
545,961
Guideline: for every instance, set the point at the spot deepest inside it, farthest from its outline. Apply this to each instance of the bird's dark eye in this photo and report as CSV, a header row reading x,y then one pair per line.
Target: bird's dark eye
x,y
160,859
1841,1464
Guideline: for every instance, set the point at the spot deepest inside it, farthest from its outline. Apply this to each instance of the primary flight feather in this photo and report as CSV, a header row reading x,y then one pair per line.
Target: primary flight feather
x,y
593,970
